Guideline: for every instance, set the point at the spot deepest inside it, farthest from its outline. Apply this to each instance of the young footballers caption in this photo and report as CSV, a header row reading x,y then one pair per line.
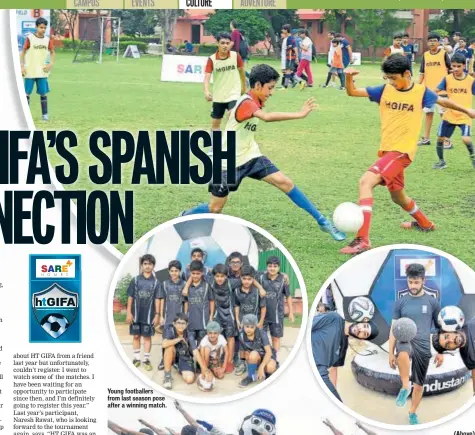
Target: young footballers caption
x,y
183,157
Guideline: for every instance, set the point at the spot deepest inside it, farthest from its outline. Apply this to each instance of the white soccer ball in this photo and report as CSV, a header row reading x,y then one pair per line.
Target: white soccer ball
x,y
361,309
205,385
451,318
348,217
216,237
55,324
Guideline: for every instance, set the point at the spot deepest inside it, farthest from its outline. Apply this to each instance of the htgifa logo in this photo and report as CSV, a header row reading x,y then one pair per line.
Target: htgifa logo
x,y
55,268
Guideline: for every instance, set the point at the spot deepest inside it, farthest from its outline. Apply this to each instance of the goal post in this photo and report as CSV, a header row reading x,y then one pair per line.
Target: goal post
x,y
114,38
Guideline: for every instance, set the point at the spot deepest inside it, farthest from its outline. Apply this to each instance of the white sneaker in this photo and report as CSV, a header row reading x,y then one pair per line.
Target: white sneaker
x,y
45,117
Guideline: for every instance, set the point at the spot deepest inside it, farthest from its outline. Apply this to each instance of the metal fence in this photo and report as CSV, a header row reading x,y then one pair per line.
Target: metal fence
x,y
284,267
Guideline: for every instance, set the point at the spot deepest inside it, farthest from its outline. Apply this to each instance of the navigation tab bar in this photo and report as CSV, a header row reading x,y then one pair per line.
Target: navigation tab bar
x,y
94,4
260,4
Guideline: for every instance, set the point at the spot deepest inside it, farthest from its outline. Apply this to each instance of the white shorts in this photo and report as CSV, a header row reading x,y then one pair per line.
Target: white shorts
x,y
433,108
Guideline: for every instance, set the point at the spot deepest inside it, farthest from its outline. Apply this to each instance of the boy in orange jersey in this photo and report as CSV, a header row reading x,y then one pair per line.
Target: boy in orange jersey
x,y
460,87
337,64
401,105
435,66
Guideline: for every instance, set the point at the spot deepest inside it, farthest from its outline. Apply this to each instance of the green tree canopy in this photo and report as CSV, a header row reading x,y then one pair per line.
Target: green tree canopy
x,y
136,21
249,20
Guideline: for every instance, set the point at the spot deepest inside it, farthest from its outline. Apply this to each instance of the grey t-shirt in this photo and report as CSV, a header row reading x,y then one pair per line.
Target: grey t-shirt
x,y
172,292
423,310
329,342
198,305
468,351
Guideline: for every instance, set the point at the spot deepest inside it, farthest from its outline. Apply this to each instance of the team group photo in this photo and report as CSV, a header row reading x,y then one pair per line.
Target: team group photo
x,y
291,90
201,309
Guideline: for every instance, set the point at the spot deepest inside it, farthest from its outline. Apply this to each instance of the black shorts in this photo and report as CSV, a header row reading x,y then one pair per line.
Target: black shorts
x,y
257,169
420,362
142,329
186,365
219,109
228,326
276,329
197,334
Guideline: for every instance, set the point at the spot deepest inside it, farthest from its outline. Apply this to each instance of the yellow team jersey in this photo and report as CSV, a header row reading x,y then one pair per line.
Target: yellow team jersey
x,y
435,68
246,146
460,91
226,78
36,56
401,119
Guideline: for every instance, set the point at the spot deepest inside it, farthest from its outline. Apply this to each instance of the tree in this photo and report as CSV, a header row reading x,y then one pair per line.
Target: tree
x,y
455,20
167,19
138,21
259,25
249,20
374,28
341,19
69,19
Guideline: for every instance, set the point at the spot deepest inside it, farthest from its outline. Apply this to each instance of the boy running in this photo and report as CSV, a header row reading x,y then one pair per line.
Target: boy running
x,y
459,87
34,68
229,79
277,290
256,350
401,105
214,350
435,65
305,61
143,309
179,344
244,120
289,55
171,297
199,301
223,289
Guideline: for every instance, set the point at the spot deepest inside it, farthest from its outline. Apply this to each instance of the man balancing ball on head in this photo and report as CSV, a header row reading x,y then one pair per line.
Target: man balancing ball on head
x,y
401,105
250,163
329,338
464,340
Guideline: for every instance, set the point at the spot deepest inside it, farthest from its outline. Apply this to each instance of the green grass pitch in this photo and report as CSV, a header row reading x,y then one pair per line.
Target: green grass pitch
x,y
325,155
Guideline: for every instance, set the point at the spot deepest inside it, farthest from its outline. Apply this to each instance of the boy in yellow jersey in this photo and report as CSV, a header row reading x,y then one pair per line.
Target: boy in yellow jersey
x,y
34,68
459,87
401,105
435,66
229,79
244,120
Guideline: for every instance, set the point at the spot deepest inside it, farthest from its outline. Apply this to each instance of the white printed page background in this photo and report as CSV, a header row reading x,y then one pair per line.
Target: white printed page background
x,y
295,397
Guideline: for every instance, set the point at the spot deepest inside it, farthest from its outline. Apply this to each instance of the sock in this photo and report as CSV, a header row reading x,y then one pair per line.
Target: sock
x,y
329,77
252,371
44,105
342,79
300,200
199,209
417,214
366,205
470,150
440,149
28,99
137,354
146,356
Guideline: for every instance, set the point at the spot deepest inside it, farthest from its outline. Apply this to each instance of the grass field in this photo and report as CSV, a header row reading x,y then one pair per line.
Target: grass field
x,y
324,154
